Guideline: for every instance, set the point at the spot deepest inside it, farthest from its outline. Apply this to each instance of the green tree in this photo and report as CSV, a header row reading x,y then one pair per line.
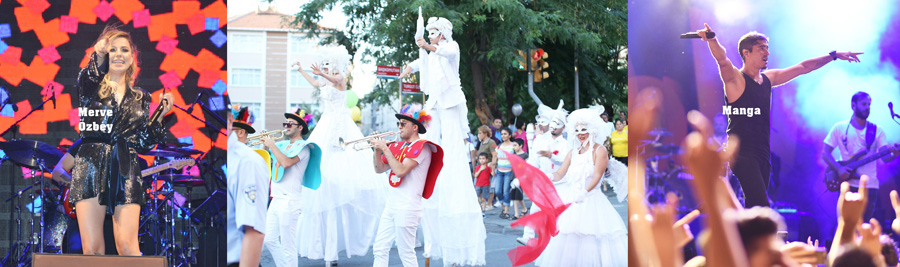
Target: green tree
x,y
489,33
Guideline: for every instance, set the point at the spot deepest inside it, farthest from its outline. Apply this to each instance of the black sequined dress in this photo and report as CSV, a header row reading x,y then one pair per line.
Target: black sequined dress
x,y
109,159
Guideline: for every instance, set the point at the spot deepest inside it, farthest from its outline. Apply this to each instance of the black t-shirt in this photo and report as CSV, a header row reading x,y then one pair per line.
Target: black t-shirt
x,y
749,118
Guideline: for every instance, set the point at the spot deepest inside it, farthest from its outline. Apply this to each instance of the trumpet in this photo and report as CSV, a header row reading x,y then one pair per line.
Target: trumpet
x,y
255,140
363,143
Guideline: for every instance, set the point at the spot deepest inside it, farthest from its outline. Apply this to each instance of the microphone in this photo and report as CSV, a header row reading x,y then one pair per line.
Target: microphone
x,y
891,107
53,98
694,35
191,108
157,112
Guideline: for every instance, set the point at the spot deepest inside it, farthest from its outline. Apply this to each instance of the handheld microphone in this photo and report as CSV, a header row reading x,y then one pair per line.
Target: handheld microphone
x,y
891,107
694,35
53,98
157,112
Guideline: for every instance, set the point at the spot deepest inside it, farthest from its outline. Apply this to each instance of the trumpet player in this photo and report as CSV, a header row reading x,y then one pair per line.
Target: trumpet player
x,y
295,163
414,164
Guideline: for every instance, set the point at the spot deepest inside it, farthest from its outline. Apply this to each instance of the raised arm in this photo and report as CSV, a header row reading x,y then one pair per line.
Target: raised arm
x,y
337,80
731,76
413,67
782,76
309,78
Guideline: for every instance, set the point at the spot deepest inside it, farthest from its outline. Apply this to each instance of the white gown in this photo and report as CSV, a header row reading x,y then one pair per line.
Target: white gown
x,y
342,214
591,233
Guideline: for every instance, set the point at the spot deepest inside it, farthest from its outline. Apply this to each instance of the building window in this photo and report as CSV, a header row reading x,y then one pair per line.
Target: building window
x,y
297,79
302,46
246,43
245,77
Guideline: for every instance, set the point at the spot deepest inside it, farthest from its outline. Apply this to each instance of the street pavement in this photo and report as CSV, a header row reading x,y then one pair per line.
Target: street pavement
x,y
501,238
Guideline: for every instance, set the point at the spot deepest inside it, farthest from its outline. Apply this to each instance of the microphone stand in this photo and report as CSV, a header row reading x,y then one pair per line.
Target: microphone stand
x,y
204,121
12,186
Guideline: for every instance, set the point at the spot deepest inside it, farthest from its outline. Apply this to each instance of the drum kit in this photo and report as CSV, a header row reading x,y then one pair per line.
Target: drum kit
x,y
665,175
167,220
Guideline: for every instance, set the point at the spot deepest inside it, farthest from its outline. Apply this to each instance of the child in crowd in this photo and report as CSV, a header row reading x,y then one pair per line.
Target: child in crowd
x,y
515,193
483,175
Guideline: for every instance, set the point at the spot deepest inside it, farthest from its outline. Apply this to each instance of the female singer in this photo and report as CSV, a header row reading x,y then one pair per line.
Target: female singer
x,y
115,128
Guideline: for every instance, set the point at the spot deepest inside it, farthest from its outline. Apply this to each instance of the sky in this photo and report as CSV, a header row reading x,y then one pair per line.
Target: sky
x,y
363,74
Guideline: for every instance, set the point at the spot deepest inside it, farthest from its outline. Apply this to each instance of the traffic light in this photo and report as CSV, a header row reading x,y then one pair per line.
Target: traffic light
x,y
540,66
521,61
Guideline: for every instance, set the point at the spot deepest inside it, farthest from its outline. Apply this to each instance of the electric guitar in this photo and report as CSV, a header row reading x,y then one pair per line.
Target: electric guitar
x,y
174,164
833,178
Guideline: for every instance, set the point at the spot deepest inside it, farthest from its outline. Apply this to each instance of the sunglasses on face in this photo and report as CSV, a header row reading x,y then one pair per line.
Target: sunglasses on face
x,y
289,124
401,124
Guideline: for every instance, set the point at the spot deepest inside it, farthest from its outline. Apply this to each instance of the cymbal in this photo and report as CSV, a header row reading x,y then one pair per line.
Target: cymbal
x,y
27,153
177,145
165,153
189,182
669,149
659,132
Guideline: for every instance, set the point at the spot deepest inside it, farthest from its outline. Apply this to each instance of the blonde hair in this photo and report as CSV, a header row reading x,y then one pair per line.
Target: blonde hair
x,y
484,129
107,85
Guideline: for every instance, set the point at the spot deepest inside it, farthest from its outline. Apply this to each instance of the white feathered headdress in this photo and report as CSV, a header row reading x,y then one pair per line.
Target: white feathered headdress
x,y
442,25
556,117
335,57
590,119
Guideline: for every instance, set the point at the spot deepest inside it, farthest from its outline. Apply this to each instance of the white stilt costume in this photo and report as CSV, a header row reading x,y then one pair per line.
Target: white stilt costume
x,y
453,225
343,213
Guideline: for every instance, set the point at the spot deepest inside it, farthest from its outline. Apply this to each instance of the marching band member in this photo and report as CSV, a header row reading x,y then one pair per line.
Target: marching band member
x,y
295,164
414,164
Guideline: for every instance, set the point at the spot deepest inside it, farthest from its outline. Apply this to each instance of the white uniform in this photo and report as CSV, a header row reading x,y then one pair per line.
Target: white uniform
x,y
453,225
401,216
284,213
248,192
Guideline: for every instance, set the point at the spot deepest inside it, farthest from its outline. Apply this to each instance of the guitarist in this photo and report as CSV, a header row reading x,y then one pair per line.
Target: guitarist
x,y
856,139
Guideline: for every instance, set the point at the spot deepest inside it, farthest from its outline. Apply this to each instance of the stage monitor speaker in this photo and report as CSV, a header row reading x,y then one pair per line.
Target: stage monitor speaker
x,y
73,260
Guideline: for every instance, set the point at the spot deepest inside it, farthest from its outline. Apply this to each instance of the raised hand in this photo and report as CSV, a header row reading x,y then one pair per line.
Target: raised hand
x,y
895,201
101,47
852,205
682,229
869,238
702,33
316,70
849,56
421,42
